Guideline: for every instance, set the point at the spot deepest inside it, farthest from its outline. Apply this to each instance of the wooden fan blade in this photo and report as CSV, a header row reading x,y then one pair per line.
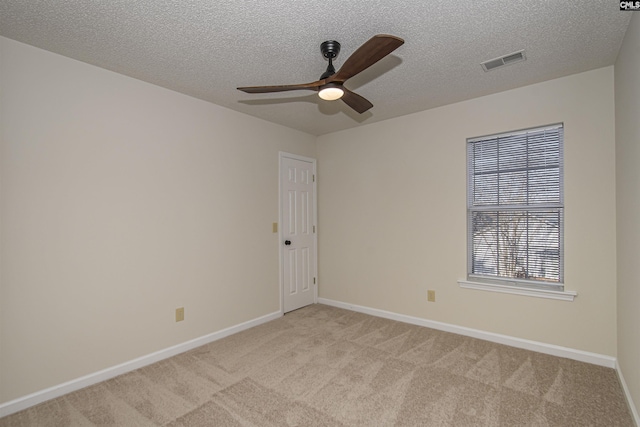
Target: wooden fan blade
x,y
282,88
355,101
376,48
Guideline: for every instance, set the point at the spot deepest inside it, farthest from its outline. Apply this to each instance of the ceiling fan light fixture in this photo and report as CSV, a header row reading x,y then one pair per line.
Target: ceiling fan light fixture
x,y
331,92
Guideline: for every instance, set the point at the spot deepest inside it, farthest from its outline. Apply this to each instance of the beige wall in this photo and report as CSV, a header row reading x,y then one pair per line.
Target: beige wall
x,y
121,201
627,92
392,213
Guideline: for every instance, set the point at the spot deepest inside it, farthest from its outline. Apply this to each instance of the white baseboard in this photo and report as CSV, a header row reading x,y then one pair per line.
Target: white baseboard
x,y
632,406
554,350
25,402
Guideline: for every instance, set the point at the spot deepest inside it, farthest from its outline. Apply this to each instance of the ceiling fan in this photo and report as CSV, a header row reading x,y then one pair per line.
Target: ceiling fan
x,y
331,84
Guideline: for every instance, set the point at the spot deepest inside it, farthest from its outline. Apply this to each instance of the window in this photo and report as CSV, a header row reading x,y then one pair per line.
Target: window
x,y
515,208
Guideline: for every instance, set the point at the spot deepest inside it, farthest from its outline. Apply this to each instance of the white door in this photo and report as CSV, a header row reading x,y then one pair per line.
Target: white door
x,y
298,234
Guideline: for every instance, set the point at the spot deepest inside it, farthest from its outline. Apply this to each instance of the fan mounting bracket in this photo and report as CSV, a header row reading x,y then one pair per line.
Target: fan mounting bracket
x,y
330,49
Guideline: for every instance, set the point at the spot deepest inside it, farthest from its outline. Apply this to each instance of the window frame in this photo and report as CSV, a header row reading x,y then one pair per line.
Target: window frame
x,y
506,283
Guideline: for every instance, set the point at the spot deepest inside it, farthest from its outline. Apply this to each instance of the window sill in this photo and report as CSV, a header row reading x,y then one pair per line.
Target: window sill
x,y
539,293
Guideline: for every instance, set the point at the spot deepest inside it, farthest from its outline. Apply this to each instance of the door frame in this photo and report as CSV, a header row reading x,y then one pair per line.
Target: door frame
x,y
282,155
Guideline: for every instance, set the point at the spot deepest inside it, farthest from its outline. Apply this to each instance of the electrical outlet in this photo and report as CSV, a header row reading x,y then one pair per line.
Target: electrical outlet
x,y
431,296
179,314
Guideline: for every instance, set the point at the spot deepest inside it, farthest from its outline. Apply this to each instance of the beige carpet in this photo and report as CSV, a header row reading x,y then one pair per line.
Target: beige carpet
x,y
323,366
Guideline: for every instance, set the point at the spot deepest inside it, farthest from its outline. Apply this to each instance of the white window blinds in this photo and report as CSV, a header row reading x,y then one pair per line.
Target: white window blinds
x,y
515,207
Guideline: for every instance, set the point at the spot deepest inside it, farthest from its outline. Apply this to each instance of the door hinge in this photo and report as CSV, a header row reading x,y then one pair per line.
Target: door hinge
x,y
314,228
314,178
314,280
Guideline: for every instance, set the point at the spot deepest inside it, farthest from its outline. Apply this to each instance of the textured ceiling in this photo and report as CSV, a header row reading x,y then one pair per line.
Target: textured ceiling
x,y
207,48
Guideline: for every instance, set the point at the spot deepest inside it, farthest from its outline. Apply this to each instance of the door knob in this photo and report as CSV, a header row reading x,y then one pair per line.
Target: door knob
x,y
287,242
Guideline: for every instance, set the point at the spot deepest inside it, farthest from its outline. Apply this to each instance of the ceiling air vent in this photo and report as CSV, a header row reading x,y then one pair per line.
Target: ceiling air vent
x,y
512,58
